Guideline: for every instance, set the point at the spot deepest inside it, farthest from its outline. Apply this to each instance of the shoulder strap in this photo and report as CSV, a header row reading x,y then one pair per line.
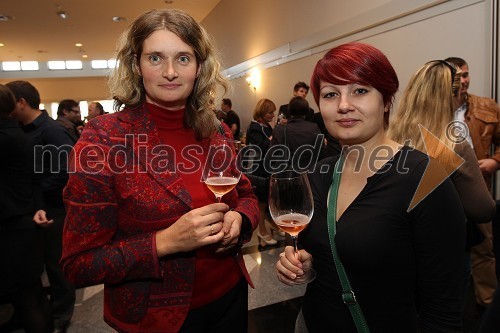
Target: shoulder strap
x,y
347,293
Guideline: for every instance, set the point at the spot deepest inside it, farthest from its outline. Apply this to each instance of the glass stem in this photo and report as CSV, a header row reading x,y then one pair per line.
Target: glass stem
x,y
296,250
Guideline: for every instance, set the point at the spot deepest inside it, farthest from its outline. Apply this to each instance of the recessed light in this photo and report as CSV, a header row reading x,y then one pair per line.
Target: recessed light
x,y
1,44
62,14
78,44
85,56
6,17
119,19
168,2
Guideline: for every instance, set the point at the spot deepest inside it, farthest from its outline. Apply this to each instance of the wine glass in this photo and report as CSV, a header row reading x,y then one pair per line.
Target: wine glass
x,y
222,170
291,206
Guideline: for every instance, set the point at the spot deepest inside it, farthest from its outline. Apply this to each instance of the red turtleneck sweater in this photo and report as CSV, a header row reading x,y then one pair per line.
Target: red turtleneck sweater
x,y
215,274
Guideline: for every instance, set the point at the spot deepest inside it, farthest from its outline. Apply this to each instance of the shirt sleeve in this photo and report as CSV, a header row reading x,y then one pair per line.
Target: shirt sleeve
x,y
95,251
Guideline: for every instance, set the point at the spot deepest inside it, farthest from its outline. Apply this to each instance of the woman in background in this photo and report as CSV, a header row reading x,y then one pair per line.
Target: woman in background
x,y
429,101
403,257
259,135
427,109
140,220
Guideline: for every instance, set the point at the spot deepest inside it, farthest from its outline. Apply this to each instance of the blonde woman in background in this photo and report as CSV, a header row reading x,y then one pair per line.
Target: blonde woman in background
x,y
429,101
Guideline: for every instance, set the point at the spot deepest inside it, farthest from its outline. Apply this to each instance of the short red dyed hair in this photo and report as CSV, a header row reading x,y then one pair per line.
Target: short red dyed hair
x,y
357,63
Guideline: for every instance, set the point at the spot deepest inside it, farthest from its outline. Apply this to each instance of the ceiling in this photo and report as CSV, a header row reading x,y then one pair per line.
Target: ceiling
x,y
36,32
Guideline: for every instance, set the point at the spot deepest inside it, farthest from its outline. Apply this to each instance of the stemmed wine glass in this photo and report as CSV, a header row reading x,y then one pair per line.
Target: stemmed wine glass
x,y
222,170
291,206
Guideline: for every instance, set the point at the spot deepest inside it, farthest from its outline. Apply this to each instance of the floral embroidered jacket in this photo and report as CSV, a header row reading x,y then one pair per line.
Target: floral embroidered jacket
x,y
117,197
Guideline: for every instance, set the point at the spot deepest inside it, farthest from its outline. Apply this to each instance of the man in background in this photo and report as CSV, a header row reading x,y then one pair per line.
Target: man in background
x,y
53,145
231,119
95,109
299,89
482,116
68,115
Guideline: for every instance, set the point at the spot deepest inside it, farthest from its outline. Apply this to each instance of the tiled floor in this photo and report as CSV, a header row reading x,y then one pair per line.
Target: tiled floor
x,y
272,305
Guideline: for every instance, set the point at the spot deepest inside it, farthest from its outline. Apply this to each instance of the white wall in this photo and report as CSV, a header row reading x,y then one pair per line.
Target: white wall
x,y
409,32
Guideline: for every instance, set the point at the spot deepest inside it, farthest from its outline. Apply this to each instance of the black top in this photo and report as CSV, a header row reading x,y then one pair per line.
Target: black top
x,y
16,172
53,145
232,118
258,135
404,267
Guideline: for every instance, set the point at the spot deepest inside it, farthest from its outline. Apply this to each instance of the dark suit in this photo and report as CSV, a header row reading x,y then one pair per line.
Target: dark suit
x,y
113,217
284,111
300,135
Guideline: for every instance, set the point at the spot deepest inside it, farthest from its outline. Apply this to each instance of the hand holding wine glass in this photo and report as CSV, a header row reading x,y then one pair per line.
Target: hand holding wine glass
x,y
291,206
221,172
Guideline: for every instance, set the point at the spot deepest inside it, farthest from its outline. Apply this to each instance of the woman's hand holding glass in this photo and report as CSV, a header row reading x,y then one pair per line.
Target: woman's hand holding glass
x,y
197,228
293,265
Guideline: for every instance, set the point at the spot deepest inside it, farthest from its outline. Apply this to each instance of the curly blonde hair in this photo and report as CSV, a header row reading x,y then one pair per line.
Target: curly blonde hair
x,y
125,82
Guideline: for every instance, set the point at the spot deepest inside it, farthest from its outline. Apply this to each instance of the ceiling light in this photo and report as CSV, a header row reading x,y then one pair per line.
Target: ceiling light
x,y
62,14
78,44
29,65
6,17
56,64
168,2
1,44
85,56
99,64
74,64
11,66
119,19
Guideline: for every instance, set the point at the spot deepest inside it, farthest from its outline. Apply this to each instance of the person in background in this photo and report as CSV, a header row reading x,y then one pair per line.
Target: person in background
x,y
20,258
303,138
430,100
384,238
231,118
482,117
95,109
299,89
68,115
53,145
169,257
259,136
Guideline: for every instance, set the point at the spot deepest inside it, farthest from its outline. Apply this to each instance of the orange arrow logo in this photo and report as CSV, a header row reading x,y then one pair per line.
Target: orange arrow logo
x,y
435,173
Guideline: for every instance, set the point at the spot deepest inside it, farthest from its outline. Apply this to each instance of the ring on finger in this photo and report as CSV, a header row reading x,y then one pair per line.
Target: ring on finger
x,y
211,229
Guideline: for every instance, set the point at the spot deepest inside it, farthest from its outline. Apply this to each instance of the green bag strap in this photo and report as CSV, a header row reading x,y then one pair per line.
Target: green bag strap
x,y
347,293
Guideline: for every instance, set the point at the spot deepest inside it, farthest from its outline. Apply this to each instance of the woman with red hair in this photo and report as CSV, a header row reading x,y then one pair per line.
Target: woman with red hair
x,y
385,242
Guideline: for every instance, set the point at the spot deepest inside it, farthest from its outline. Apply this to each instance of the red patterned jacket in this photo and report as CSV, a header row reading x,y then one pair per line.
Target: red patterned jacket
x,y
115,203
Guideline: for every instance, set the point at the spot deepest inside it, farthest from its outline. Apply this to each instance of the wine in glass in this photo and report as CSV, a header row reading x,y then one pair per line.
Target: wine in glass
x,y
222,171
291,206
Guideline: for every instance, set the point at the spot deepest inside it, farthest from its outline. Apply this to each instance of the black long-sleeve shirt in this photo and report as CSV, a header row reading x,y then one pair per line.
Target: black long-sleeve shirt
x,y
404,267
